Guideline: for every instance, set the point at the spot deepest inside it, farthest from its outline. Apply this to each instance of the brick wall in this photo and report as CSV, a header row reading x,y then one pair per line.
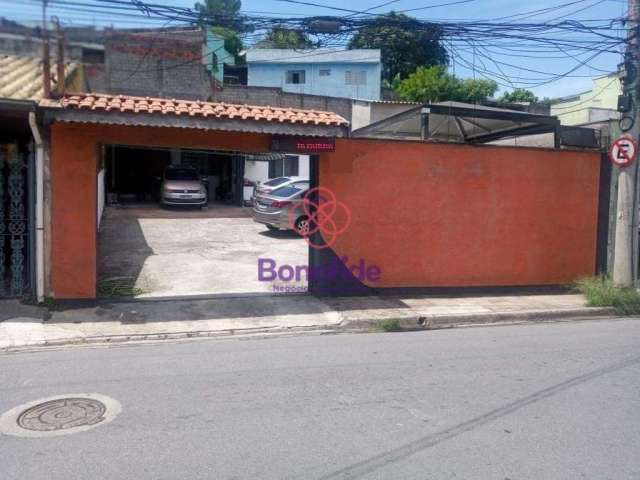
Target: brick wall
x,y
152,65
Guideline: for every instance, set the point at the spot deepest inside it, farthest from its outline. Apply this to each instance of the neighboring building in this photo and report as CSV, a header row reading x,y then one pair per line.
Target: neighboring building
x,y
219,57
158,63
333,73
21,77
593,106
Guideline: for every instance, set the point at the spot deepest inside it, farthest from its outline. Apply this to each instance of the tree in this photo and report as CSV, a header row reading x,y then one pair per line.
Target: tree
x,y
405,43
280,37
434,84
232,42
518,95
222,13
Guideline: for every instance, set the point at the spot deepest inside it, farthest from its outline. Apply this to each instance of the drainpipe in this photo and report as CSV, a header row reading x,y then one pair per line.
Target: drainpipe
x,y
39,206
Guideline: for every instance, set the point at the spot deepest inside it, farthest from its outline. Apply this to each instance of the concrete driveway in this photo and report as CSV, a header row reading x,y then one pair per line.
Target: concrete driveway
x,y
147,251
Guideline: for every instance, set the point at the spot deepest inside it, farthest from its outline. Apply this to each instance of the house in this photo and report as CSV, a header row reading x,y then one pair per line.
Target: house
x,y
333,73
22,164
424,212
111,136
599,104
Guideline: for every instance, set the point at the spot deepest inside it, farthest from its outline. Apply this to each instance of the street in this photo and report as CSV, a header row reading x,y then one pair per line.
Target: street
x,y
538,401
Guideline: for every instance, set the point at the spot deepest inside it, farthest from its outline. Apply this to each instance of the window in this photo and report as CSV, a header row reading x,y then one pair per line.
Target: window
x,y
325,72
295,76
290,190
276,181
355,78
284,167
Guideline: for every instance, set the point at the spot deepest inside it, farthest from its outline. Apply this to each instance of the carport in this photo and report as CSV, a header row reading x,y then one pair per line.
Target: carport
x,y
94,137
133,174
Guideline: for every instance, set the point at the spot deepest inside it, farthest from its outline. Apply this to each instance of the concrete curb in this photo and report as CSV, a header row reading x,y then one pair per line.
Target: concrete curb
x,y
432,322
409,323
154,337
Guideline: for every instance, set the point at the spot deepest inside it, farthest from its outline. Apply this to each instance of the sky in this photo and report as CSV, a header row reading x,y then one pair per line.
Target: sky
x,y
580,80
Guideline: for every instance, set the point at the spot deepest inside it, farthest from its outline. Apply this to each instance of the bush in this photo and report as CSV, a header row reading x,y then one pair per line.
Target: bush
x,y
602,292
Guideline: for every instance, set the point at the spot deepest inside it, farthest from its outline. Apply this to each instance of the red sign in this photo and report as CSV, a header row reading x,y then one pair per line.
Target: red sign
x,y
623,151
308,145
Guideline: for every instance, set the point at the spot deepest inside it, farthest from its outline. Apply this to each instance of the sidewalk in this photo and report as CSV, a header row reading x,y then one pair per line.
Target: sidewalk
x,y
23,326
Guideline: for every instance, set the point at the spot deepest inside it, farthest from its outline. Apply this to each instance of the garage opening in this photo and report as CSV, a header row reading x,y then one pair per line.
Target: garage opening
x,y
177,222
135,175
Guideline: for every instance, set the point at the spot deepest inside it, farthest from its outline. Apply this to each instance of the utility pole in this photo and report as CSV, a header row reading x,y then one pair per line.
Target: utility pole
x,y
625,261
46,60
60,85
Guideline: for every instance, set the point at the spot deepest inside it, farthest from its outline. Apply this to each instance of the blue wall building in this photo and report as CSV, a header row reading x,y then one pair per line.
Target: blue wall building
x,y
333,73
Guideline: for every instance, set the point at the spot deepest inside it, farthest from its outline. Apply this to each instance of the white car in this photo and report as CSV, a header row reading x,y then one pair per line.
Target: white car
x,y
183,186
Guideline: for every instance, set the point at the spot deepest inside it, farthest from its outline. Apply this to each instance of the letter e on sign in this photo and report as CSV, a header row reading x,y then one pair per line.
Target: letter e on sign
x,y
623,151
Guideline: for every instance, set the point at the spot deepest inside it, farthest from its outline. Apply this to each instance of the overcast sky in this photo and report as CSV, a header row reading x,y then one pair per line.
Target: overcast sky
x,y
30,11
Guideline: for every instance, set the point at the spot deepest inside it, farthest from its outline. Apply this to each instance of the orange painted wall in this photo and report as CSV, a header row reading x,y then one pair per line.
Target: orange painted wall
x,y
74,149
435,215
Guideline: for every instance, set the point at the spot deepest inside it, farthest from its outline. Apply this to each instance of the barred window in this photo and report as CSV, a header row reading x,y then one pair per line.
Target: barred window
x,y
355,78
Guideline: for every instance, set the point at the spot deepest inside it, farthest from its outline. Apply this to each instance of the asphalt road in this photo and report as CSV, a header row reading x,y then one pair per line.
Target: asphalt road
x,y
545,401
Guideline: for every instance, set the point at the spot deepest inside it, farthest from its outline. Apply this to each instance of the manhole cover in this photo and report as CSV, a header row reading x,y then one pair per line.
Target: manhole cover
x,y
60,415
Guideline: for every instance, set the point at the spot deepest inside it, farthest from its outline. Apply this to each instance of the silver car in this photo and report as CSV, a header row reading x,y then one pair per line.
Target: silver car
x,y
265,188
183,186
282,208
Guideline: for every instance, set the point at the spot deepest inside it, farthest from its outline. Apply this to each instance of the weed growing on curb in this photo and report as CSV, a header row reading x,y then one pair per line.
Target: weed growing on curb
x,y
602,292
390,325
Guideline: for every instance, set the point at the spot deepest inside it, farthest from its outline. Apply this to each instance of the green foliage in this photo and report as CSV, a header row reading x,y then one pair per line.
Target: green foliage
x,y
279,37
518,95
602,292
232,42
223,13
434,84
404,42
389,325
48,302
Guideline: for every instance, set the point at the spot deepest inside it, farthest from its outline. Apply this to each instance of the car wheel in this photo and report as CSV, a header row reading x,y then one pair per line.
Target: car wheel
x,y
302,226
272,228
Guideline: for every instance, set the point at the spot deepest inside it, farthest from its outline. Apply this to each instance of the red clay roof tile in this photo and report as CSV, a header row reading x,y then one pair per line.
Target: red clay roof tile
x,y
163,106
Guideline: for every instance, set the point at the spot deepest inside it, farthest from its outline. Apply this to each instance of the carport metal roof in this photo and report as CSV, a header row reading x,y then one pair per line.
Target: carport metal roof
x,y
459,122
164,112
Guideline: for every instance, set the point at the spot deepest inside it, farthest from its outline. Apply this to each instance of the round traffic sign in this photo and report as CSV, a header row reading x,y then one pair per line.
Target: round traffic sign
x,y
623,151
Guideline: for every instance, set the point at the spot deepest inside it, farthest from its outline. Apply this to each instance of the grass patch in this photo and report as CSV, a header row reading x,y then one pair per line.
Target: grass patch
x,y
390,325
118,287
602,292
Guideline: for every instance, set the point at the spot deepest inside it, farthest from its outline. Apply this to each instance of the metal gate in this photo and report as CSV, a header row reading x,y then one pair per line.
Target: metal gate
x,y
16,205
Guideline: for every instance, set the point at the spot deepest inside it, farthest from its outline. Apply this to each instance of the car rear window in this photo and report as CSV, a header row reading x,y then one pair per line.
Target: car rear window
x,y
276,181
290,190
181,174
